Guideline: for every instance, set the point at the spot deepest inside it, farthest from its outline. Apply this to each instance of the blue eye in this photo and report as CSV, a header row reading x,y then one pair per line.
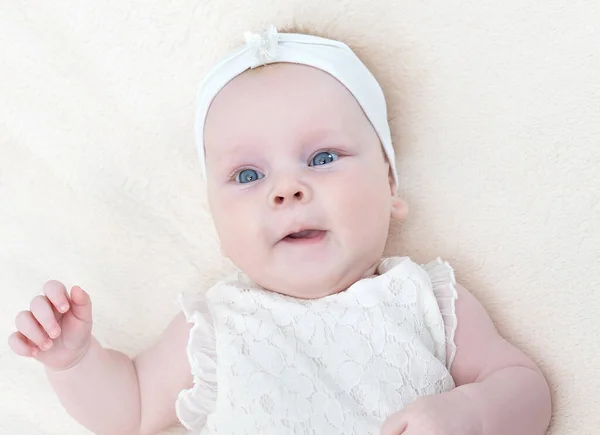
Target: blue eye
x,y
248,176
323,158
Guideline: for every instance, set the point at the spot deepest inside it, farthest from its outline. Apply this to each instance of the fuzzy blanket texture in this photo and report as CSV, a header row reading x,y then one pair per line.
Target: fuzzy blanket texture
x,y
495,112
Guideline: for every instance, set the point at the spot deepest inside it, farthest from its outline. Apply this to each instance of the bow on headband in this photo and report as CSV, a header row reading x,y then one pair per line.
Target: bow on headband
x,y
263,45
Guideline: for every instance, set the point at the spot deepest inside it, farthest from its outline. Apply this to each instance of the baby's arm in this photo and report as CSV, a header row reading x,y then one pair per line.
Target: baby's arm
x,y
109,393
507,389
499,389
103,389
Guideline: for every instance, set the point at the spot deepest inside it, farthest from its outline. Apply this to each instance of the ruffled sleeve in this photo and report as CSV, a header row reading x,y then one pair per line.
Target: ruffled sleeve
x,y
443,281
194,405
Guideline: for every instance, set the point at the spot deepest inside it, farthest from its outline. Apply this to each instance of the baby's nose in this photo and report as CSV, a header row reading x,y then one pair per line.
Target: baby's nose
x,y
288,192
279,199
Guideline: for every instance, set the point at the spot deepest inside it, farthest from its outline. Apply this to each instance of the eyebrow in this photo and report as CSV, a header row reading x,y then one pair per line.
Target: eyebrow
x,y
320,134
235,149
304,140
243,150
237,155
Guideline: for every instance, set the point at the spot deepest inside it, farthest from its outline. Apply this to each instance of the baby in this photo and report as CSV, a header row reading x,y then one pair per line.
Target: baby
x,y
316,333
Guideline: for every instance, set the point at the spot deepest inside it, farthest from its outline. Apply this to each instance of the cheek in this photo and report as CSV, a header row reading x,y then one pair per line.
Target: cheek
x,y
363,206
236,221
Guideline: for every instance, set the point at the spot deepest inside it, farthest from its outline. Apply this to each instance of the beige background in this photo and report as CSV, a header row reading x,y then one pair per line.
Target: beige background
x,y
495,109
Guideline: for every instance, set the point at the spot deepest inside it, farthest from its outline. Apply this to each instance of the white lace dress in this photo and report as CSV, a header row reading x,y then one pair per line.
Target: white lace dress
x,y
265,363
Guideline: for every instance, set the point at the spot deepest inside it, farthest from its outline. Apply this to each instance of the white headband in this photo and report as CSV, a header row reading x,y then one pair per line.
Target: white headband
x,y
331,56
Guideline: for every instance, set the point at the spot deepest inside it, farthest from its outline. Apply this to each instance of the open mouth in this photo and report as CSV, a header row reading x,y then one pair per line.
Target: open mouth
x,y
304,236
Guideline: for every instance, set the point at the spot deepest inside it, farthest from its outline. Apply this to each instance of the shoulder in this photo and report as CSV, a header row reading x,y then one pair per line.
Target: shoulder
x,y
170,349
481,349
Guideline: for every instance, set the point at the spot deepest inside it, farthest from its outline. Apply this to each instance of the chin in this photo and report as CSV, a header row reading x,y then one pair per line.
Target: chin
x,y
308,280
320,286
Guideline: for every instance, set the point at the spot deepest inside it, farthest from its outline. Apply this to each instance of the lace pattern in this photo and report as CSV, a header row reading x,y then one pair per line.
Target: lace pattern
x,y
339,364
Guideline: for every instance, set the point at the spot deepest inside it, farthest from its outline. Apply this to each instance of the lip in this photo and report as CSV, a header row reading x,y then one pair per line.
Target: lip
x,y
304,240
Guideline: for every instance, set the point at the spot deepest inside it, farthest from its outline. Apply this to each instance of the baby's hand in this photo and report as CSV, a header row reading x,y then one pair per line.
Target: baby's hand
x,y
449,413
56,330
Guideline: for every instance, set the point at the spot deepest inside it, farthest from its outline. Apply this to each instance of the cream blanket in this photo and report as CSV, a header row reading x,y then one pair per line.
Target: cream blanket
x,y
495,110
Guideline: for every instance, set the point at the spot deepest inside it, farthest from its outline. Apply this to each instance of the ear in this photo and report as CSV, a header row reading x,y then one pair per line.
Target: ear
x,y
399,208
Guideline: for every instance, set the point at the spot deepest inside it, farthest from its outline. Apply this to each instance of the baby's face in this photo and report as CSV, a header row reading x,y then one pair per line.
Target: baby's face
x,y
298,184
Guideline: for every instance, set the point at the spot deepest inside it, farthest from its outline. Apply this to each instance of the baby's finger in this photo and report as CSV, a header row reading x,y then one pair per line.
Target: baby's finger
x,y
396,424
44,313
81,304
56,292
30,328
20,345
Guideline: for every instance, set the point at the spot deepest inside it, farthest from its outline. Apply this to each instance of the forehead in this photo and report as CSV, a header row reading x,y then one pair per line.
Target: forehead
x,y
281,98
